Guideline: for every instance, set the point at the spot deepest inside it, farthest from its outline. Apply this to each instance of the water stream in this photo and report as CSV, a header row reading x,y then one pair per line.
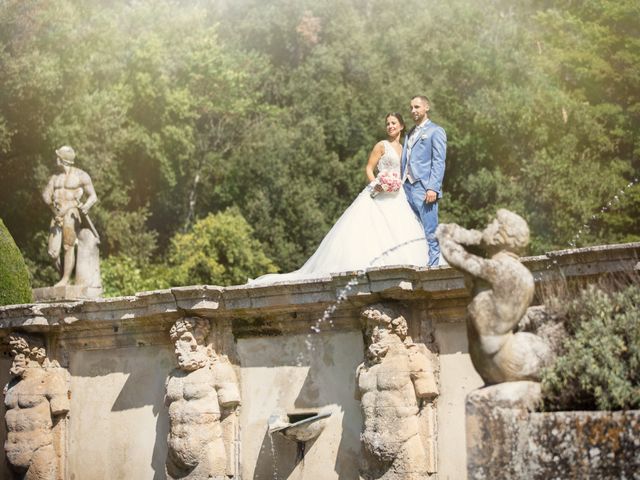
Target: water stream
x,y
274,458
605,208
343,293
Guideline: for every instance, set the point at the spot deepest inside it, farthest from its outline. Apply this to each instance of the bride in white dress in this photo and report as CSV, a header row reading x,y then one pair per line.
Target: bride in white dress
x,y
373,231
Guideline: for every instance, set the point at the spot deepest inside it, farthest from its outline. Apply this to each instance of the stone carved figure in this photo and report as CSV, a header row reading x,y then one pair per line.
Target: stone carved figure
x,y
202,396
502,289
70,195
36,398
394,384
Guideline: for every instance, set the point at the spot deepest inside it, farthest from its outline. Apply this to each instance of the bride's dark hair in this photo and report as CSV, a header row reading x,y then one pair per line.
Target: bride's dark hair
x,y
399,117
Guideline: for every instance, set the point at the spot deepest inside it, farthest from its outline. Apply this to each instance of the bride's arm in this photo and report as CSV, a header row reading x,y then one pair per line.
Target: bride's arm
x,y
374,158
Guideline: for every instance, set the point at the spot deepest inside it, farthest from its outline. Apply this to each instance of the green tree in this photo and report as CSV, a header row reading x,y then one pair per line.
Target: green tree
x,y
599,75
218,250
144,92
14,276
179,110
123,275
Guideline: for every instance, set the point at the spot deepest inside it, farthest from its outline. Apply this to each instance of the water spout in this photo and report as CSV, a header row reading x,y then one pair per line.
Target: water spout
x,y
300,426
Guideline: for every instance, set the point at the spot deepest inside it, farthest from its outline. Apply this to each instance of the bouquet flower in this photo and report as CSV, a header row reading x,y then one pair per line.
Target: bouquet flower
x,y
388,181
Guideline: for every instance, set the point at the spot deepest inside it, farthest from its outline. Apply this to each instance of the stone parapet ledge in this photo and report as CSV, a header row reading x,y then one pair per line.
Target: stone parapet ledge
x,y
586,261
440,286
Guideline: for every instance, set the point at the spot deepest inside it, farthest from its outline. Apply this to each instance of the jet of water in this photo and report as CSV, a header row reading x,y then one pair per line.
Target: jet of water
x,y
343,293
605,208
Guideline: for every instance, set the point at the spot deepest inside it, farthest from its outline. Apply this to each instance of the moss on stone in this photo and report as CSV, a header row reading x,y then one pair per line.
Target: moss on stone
x,y
14,277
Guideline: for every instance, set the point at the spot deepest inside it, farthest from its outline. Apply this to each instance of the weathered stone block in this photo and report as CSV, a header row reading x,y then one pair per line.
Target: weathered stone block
x,y
66,292
507,439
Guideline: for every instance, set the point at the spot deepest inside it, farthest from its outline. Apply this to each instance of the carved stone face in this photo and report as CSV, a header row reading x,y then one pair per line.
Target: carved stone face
x,y
19,365
382,337
383,334
380,334
61,164
189,354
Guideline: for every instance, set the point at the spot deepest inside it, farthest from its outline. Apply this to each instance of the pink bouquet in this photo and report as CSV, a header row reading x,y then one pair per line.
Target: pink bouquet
x,y
388,181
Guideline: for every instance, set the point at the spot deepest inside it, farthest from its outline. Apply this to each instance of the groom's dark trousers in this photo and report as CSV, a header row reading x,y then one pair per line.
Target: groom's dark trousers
x,y
425,151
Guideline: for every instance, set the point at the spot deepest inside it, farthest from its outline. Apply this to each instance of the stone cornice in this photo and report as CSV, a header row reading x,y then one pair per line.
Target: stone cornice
x,y
438,286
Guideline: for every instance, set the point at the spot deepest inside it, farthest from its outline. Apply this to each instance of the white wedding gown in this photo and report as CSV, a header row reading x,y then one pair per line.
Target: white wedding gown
x,y
372,232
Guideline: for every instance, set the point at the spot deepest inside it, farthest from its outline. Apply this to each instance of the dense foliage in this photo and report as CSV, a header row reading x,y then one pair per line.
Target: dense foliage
x,y
599,366
218,250
183,109
14,276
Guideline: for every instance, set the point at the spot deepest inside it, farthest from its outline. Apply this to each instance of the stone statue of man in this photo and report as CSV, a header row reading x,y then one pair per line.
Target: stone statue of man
x,y
502,289
394,383
70,195
36,398
202,395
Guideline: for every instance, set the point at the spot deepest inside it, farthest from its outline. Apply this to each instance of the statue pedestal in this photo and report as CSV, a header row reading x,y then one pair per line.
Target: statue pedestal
x,y
66,292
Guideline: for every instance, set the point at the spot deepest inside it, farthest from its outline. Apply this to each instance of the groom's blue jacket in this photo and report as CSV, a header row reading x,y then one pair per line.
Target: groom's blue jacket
x,y
428,153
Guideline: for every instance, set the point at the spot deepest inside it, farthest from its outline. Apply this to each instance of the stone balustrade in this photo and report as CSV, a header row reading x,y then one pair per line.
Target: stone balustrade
x,y
118,354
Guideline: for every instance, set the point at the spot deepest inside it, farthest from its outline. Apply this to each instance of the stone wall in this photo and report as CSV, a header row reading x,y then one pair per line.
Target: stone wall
x,y
119,354
508,440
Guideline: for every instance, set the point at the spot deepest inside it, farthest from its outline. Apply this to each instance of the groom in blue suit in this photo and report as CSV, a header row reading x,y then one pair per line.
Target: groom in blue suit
x,y
423,159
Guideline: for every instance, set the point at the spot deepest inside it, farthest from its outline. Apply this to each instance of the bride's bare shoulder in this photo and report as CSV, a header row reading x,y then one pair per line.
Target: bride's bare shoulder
x,y
377,150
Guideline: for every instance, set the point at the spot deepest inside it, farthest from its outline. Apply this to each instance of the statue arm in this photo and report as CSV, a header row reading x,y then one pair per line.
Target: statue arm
x,y
458,234
422,374
47,194
226,385
59,405
228,390
58,395
92,198
452,238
